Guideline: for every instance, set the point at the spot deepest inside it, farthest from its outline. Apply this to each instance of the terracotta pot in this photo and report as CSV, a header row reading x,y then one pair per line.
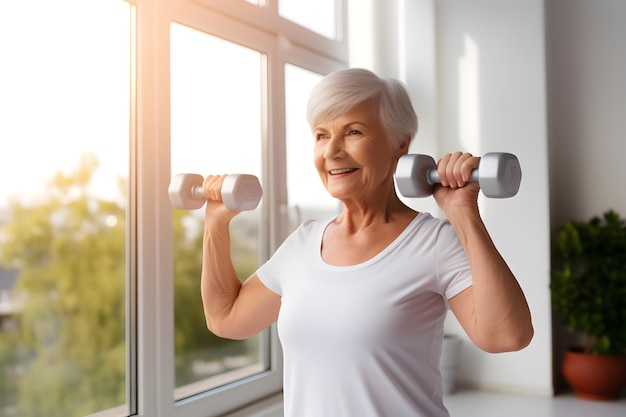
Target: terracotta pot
x,y
595,377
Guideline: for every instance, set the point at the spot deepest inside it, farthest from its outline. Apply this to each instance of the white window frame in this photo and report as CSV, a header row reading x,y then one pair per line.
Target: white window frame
x,y
151,370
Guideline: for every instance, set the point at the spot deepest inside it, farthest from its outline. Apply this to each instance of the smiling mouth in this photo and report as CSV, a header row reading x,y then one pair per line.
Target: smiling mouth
x,y
341,171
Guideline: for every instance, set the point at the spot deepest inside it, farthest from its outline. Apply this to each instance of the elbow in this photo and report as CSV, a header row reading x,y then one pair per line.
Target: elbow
x,y
213,327
512,342
522,338
222,330
518,342
217,329
525,338
220,323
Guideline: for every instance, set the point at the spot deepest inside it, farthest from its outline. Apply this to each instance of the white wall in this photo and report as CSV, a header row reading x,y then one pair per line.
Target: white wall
x,y
586,59
587,107
491,78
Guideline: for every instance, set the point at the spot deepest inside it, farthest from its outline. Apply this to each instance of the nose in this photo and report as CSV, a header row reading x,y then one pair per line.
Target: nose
x,y
334,147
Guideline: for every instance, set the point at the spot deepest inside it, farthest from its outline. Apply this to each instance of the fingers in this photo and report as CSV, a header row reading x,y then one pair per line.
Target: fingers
x,y
456,168
212,187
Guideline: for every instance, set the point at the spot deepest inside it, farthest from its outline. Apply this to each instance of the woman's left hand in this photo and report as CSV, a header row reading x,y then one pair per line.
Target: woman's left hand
x,y
455,190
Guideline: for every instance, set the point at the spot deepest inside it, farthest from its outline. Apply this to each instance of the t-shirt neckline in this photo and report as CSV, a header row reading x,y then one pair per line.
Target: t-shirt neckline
x,y
399,239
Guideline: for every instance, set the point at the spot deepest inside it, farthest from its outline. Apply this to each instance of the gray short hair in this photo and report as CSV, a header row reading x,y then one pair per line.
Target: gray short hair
x,y
342,90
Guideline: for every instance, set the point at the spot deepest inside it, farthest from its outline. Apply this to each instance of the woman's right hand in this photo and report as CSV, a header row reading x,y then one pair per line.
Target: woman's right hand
x,y
215,208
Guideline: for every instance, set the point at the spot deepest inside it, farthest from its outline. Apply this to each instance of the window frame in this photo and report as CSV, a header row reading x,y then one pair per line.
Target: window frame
x,y
151,370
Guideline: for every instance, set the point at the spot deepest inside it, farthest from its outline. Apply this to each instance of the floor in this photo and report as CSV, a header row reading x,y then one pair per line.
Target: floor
x,y
488,404
482,404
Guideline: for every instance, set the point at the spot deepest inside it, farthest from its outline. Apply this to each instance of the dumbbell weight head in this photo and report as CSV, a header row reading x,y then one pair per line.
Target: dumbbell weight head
x,y
240,192
412,175
185,191
499,175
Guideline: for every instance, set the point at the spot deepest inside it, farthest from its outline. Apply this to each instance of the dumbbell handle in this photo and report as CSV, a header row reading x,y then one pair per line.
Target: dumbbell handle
x,y
433,176
197,191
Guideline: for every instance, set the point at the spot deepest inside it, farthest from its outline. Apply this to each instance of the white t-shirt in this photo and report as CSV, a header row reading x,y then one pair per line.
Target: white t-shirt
x,y
365,340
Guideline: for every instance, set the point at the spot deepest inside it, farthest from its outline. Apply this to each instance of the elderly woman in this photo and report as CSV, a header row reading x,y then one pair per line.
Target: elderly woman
x,y
361,298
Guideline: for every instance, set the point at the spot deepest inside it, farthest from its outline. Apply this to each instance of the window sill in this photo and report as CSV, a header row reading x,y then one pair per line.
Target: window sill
x,y
268,407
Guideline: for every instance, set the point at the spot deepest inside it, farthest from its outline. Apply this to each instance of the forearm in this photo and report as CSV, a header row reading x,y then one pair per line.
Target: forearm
x,y
220,284
499,318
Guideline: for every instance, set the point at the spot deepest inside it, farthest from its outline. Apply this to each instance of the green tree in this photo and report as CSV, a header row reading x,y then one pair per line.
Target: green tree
x,y
69,347
9,357
70,251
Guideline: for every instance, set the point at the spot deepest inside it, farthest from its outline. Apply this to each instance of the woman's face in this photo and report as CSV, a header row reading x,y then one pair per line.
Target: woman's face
x,y
353,156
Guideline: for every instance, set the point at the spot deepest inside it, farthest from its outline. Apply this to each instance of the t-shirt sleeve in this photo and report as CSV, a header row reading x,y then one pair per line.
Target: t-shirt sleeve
x,y
286,259
453,270
268,278
269,272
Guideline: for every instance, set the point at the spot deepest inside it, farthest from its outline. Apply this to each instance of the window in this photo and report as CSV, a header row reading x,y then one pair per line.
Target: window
x,y
318,16
216,128
101,101
64,123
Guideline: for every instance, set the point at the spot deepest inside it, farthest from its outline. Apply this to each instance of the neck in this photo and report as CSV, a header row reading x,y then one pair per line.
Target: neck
x,y
357,215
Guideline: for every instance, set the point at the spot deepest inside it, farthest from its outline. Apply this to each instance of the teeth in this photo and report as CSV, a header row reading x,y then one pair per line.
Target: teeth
x,y
341,171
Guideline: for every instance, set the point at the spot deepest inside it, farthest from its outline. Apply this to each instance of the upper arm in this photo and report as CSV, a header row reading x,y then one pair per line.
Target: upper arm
x,y
462,305
255,308
505,330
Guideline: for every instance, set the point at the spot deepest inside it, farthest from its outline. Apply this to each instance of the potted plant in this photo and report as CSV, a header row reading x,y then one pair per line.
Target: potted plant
x,y
588,288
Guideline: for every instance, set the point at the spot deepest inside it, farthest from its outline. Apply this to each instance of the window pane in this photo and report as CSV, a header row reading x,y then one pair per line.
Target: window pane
x,y
307,196
64,123
316,15
216,129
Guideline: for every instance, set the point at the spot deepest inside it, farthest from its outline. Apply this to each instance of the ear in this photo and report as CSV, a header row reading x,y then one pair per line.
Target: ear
x,y
404,148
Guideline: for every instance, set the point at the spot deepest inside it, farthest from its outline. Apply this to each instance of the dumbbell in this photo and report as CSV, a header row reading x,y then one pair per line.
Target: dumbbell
x,y
498,173
240,192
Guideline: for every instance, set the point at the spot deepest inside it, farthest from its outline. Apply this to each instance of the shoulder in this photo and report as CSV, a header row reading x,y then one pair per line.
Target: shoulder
x,y
426,224
310,227
295,253
436,235
307,233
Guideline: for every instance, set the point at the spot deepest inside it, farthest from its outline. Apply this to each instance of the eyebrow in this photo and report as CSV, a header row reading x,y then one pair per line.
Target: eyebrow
x,y
346,125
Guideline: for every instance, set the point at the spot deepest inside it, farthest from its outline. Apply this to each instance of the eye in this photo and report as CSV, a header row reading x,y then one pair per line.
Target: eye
x,y
321,136
354,132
